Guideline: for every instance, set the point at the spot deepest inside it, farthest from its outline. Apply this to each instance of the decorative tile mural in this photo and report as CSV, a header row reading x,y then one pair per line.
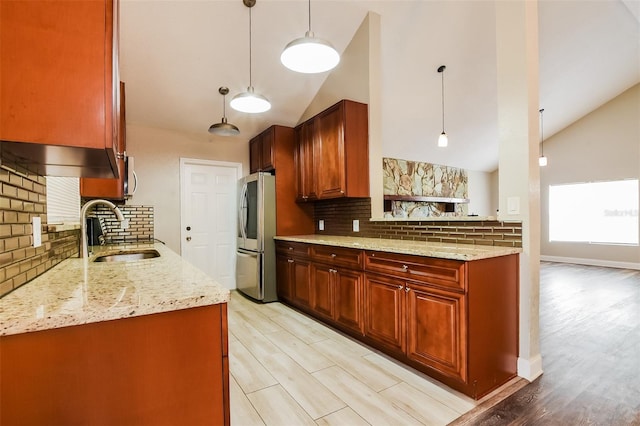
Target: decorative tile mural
x,y
413,178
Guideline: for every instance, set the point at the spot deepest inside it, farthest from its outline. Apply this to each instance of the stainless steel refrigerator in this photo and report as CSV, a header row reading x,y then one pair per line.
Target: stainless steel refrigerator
x,y
256,253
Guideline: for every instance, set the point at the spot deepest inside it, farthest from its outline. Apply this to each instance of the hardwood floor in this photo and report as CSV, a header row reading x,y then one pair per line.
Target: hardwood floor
x,y
590,344
288,369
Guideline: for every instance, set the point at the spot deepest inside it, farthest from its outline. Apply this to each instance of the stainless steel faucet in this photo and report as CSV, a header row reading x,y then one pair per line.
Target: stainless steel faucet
x,y
84,252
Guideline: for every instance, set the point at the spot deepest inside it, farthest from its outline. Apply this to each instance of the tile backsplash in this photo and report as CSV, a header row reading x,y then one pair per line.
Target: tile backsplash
x,y
141,227
22,197
338,216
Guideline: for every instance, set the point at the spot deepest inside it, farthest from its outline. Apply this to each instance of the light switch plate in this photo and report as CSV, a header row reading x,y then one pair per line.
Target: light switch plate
x,y
513,205
321,225
356,225
37,231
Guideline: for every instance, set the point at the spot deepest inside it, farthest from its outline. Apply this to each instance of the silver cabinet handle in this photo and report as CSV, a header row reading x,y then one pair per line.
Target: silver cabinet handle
x,y
290,260
407,289
400,287
290,248
405,267
333,255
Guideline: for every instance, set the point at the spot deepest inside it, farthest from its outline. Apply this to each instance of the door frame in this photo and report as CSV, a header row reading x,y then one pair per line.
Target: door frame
x,y
184,161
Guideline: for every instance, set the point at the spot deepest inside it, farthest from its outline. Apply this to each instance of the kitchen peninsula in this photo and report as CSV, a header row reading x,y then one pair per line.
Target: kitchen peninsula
x,y
447,309
127,342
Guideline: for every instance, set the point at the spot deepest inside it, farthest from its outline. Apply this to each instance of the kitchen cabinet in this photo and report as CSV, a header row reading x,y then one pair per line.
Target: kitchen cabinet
x,y
333,153
454,320
293,282
166,368
111,188
63,122
273,151
261,150
384,307
304,162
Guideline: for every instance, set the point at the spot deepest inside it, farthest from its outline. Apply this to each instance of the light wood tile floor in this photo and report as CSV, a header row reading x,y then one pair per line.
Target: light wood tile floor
x,y
288,369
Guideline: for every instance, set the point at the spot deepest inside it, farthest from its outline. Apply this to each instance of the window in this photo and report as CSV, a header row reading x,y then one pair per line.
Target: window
x,y
599,212
63,199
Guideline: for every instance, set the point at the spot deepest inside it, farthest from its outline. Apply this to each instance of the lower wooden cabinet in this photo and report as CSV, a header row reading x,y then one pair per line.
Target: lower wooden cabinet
x,y
384,306
454,320
436,329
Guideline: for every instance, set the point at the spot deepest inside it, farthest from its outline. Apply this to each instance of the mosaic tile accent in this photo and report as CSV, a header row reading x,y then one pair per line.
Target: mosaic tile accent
x,y
413,178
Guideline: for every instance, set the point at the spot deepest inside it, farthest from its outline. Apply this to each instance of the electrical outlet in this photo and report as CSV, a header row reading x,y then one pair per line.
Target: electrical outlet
x,y
37,231
321,225
356,225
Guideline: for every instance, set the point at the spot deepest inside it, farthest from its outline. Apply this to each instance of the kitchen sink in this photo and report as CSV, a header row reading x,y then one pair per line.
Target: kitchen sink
x,y
128,256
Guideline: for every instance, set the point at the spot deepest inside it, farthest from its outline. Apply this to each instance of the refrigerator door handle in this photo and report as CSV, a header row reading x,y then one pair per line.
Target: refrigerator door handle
x,y
242,211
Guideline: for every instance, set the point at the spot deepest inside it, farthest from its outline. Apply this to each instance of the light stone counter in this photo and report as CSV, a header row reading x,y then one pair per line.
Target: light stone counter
x,y
78,291
419,248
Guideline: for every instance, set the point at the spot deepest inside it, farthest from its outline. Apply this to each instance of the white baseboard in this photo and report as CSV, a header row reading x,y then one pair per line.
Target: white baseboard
x,y
530,369
591,262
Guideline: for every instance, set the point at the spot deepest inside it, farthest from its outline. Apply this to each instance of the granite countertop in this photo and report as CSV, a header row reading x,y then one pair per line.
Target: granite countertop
x,y
79,291
419,248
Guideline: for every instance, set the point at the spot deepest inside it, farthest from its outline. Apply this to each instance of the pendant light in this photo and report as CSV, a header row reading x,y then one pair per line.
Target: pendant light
x,y
250,101
542,160
309,54
223,128
443,139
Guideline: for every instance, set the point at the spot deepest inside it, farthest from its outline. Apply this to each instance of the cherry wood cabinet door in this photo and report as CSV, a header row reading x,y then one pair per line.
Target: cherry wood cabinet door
x,y
436,330
267,149
331,176
304,162
348,298
301,282
255,152
322,277
284,271
57,67
384,303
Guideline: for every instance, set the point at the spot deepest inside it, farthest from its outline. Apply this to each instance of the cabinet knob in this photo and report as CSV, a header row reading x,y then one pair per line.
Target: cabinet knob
x,y
400,287
333,255
290,260
407,289
405,268
290,248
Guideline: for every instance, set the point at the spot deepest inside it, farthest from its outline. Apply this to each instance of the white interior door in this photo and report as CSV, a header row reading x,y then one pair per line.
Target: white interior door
x,y
208,219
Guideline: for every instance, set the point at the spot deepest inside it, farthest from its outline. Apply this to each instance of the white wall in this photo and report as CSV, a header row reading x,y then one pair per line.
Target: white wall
x,y
603,145
157,155
480,193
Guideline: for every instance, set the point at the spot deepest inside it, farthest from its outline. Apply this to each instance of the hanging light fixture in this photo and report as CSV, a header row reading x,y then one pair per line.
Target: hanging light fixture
x,y
542,160
223,128
443,139
310,54
250,101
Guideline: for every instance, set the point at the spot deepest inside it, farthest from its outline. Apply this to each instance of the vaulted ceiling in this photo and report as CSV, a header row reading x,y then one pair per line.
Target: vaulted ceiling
x,y
175,54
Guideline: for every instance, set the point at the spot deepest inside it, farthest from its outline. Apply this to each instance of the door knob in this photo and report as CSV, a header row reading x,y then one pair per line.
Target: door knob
x,y
188,238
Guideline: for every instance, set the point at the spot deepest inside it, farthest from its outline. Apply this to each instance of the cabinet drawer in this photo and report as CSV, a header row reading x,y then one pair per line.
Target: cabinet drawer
x,y
351,258
442,272
289,248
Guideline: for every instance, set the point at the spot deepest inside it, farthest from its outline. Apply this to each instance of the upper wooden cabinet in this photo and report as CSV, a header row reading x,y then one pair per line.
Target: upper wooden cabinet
x,y
333,153
111,188
261,150
59,86
273,151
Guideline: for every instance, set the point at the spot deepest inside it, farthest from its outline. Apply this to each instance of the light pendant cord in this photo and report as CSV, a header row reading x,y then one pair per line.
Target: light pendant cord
x,y
542,132
309,15
442,101
250,80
